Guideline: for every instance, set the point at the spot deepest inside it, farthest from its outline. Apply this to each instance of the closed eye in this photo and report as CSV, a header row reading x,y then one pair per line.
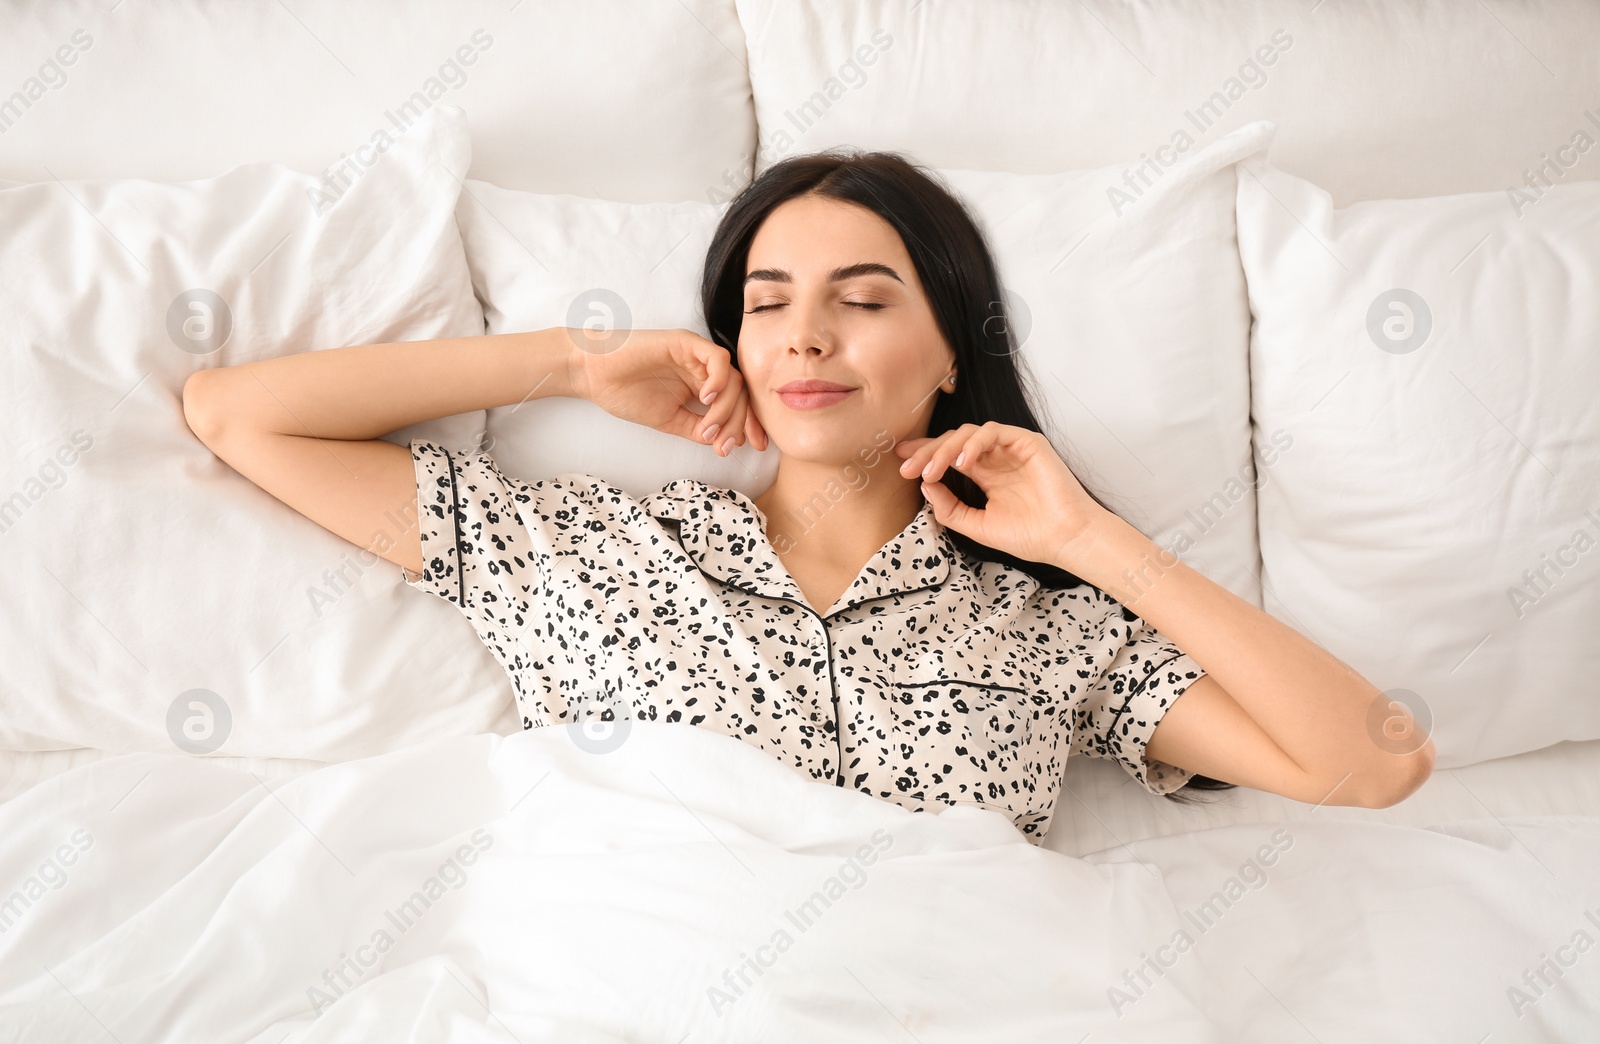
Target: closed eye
x,y
872,306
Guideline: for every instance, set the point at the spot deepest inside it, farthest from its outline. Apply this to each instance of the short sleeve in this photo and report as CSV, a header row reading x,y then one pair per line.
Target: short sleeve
x,y
476,552
1143,675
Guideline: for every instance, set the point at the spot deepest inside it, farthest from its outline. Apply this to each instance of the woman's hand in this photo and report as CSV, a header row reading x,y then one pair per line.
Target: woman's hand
x,y
650,377
1036,506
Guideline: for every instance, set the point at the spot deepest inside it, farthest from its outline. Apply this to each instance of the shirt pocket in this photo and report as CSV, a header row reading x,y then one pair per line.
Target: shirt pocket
x,y
963,740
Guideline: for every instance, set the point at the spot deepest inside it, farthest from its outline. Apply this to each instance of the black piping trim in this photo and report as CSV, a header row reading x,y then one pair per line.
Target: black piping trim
x,y
833,694
1136,690
947,548
960,681
455,527
891,594
833,691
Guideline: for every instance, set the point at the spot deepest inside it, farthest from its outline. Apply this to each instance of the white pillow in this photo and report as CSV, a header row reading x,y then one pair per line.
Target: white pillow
x,y
141,568
1037,86
619,98
1435,363
542,261
1132,308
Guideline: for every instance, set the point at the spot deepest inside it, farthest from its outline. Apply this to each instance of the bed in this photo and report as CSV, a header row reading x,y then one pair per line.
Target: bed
x,y
252,788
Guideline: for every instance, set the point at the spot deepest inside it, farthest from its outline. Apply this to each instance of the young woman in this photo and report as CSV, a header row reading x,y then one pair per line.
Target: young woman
x,y
925,605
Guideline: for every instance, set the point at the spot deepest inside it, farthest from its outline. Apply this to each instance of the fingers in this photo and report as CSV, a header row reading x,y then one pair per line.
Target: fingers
x,y
729,421
743,428
717,366
724,425
732,433
960,448
757,433
720,386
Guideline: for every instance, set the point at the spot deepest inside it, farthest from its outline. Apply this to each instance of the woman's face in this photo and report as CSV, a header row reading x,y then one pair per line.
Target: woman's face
x,y
831,294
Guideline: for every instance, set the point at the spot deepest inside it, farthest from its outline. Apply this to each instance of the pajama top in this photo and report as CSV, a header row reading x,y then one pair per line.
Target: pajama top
x,y
935,679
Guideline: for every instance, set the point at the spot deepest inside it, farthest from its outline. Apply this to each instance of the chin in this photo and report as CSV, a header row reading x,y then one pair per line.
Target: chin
x,y
819,444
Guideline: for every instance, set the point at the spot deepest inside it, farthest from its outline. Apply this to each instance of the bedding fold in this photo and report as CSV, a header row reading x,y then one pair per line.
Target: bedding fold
x,y
685,885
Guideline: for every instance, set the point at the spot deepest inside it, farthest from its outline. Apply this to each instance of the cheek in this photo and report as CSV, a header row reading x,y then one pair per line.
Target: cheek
x,y
752,364
753,370
910,354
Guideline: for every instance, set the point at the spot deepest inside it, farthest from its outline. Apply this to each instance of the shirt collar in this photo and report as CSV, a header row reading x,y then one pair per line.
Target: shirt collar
x,y
724,533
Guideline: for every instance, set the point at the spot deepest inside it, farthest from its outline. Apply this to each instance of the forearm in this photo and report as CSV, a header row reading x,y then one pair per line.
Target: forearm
x,y
1309,702
367,391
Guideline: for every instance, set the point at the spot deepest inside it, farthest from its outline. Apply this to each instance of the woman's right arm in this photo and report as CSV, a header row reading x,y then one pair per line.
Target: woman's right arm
x,y
306,427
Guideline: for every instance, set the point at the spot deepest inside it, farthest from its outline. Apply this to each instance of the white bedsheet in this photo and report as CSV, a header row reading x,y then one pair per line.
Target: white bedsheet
x,y
577,896
1101,807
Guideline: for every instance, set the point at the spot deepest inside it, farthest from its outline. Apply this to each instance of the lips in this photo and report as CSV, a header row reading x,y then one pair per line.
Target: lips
x,y
812,384
813,400
812,393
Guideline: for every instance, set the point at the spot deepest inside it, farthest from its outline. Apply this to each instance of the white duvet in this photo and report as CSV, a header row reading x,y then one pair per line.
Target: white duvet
x,y
664,883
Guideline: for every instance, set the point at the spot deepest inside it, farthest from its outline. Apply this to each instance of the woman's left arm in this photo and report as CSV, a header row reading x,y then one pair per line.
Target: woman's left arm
x,y
1274,711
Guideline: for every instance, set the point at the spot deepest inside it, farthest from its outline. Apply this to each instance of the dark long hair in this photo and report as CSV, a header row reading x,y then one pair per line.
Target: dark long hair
x,y
959,276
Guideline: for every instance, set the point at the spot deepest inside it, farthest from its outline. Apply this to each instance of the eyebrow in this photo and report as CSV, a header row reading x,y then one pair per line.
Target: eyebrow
x,y
860,268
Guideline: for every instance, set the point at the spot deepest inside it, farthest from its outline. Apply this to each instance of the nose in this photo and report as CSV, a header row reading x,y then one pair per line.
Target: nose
x,y
808,330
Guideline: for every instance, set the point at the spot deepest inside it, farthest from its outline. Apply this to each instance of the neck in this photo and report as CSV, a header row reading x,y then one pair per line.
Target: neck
x,y
838,514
